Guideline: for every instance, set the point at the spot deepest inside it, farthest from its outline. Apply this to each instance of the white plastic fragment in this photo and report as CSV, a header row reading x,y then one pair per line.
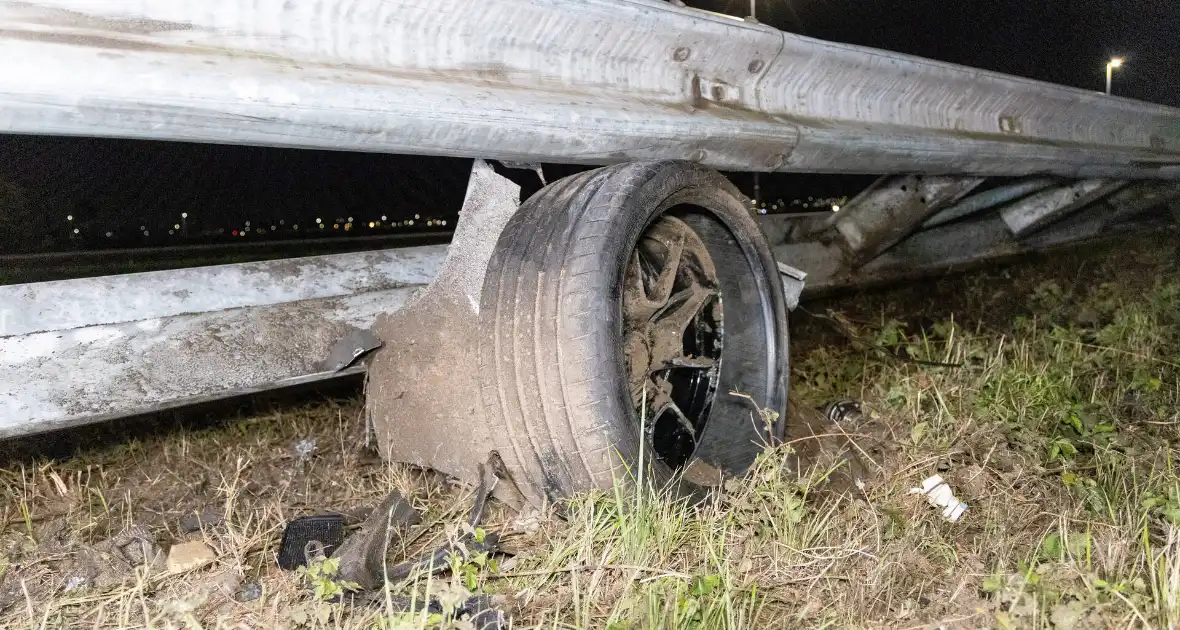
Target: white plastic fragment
x,y
940,495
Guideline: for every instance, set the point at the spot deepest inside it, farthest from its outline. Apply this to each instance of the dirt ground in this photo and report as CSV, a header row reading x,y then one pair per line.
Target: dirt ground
x,y
1045,393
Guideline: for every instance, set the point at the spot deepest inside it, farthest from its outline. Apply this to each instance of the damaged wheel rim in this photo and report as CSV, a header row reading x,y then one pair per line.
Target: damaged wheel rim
x,y
673,322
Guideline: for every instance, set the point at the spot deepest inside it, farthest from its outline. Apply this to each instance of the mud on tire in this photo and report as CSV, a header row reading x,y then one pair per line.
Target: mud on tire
x,y
569,363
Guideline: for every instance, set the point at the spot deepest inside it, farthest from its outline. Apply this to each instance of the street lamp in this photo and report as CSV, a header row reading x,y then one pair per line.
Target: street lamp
x,y
1117,62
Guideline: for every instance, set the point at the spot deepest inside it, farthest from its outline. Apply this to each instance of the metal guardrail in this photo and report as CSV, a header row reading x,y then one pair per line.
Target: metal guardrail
x,y
578,81
169,339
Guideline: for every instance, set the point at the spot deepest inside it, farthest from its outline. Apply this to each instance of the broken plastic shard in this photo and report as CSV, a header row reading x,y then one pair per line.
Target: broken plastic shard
x,y
325,529
940,495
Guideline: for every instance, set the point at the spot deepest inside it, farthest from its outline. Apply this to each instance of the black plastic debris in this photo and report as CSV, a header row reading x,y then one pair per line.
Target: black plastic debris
x,y
842,411
362,556
325,529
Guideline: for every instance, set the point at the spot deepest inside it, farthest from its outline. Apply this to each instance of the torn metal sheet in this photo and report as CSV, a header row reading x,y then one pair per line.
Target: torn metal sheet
x,y
63,378
989,199
575,81
891,208
350,349
945,248
794,280
1035,212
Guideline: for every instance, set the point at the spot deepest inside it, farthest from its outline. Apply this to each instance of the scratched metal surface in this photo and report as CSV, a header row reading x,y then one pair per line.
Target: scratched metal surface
x,y
56,379
580,81
67,304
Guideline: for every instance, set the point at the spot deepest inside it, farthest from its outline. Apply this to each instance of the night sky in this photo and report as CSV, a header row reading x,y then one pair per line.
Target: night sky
x,y
1060,41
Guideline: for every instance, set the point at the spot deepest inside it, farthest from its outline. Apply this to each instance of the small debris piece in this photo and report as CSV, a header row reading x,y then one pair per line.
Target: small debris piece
x,y
187,556
842,411
75,582
325,529
304,449
940,495
248,592
362,555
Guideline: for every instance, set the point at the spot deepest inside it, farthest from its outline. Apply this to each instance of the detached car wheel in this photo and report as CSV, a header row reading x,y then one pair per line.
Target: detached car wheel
x,y
621,309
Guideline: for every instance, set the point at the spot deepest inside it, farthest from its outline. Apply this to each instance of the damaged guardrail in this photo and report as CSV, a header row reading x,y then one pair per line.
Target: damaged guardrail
x,y
573,81
80,351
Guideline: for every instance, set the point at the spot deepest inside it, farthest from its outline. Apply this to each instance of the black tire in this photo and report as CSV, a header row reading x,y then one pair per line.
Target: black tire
x,y
551,357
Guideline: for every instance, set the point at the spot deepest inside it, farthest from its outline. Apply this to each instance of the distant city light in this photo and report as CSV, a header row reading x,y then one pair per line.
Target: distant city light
x,y
170,232
273,228
176,226
75,230
69,217
318,220
835,208
295,227
247,224
145,232
372,225
411,221
417,216
335,226
280,222
109,234
184,215
350,219
444,222
234,233
384,218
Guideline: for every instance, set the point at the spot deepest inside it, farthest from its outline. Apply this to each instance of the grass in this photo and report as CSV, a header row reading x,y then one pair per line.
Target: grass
x,y
1049,401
